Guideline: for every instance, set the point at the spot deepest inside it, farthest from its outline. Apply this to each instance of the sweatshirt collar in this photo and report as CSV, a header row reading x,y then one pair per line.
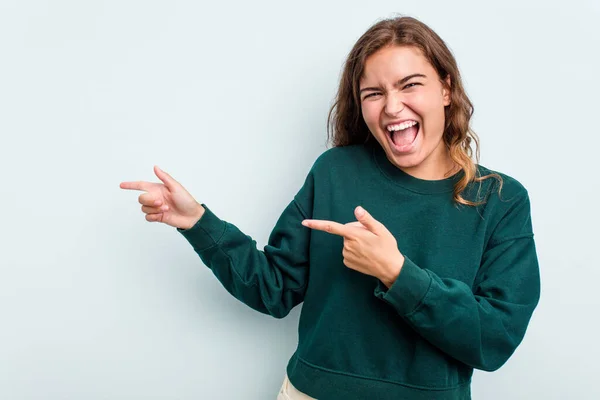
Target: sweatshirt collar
x,y
408,181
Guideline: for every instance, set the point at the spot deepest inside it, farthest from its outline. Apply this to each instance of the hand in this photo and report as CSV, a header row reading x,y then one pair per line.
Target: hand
x,y
167,202
369,247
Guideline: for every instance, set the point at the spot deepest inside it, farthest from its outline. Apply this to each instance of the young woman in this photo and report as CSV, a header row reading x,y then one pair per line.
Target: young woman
x,y
414,263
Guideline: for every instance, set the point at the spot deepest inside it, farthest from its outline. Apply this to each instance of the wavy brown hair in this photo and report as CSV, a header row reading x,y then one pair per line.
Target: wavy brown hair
x,y
345,116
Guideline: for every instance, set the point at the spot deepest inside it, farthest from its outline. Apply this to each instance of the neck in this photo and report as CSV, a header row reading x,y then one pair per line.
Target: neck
x,y
435,167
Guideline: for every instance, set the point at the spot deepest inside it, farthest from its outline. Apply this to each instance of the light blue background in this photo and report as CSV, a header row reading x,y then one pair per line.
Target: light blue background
x,y
231,99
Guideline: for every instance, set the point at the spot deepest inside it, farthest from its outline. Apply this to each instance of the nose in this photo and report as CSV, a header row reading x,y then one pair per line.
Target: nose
x,y
393,104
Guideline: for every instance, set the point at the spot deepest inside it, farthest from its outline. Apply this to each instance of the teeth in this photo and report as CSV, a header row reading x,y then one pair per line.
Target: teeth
x,y
401,126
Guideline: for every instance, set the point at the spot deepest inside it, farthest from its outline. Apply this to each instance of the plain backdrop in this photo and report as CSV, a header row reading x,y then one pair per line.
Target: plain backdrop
x,y
231,98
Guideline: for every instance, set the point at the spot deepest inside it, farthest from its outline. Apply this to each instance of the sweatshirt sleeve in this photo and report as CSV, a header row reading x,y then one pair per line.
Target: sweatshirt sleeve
x,y
272,280
482,325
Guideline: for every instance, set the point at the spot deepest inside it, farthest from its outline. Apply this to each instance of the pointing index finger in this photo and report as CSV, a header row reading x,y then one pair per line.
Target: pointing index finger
x,y
136,185
327,226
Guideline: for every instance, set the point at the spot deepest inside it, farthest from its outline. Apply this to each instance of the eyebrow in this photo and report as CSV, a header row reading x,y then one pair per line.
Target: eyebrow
x,y
400,82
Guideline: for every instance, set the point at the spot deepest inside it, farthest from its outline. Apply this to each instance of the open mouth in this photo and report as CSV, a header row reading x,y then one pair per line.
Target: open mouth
x,y
403,140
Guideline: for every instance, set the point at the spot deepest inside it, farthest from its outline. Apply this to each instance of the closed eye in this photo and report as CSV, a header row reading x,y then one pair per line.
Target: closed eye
x,y
405,87
409,85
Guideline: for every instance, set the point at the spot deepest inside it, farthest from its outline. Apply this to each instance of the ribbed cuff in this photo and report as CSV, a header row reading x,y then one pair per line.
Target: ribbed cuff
x,y
409,289
207,231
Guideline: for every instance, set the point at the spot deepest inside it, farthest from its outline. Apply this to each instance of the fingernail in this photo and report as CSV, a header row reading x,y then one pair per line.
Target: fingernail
x,y
360,211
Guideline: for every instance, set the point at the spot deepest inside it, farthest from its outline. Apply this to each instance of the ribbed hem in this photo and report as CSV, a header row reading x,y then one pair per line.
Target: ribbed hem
x,y
324,384
207,231
409,289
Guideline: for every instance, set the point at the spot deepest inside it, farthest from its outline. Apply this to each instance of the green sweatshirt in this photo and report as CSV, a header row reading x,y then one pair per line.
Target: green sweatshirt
x,y
463,299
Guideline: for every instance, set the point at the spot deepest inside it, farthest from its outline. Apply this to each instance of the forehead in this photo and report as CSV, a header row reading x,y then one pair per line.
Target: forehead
x,y
395,62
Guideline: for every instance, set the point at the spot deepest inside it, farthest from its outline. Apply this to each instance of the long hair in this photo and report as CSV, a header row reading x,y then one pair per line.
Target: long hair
x,y
345,117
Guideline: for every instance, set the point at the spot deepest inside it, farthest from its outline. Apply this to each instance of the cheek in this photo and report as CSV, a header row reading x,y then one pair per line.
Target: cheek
x,y
430,109
370,114
419,103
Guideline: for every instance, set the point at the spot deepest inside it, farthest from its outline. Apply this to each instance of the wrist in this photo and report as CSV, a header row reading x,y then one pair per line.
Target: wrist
x,y
196,217
201,212
393,272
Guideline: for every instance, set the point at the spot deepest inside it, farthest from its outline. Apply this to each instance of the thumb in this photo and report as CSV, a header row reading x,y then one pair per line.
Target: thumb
x,y
165,178
367,220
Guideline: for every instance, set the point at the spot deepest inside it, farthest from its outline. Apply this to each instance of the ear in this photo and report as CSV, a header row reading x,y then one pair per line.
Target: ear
x,y
446,91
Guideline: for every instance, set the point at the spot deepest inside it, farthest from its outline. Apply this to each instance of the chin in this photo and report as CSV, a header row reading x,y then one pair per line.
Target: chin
x,y
405,161
408,159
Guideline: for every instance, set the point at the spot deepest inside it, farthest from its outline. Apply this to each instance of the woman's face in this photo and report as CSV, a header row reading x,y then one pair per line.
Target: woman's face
x,y
401,92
